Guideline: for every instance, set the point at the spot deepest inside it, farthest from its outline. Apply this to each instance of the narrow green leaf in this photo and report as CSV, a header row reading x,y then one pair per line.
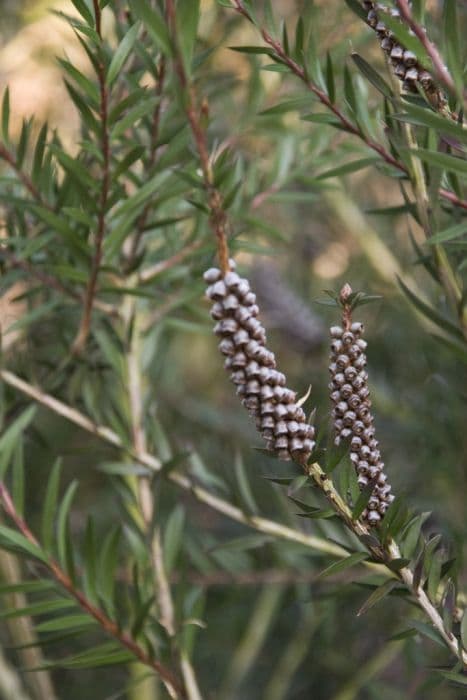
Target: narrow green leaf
x,y
431,313
458,679
41,608
253,49
357,8
108,560
441,160
363,499
153,22
6,115
330,82
286,106
62,524
11,436
67,622
173,537
424,116
89,554
452,43
247,500
449,234
84,11
428,631
187,27
377,595
17,490
371,75
343,564
49,507
10,539
122,52
464,629
347,168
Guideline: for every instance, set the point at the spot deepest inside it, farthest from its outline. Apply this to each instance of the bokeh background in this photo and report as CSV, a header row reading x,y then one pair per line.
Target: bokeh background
x,y
271,631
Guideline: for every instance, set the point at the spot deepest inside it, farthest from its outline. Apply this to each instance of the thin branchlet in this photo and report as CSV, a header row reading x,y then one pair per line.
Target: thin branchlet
x,y
108,625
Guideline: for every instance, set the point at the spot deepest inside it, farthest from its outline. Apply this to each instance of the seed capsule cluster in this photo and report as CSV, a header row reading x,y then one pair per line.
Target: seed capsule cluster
x,y
352,416
262,388
405,63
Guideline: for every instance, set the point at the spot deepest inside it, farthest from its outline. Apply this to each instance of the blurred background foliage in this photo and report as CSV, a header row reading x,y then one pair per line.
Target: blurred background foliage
x,y
271,631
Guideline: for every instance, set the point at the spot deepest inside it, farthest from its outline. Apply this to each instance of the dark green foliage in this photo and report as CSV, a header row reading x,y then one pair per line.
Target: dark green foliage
x,y
137,473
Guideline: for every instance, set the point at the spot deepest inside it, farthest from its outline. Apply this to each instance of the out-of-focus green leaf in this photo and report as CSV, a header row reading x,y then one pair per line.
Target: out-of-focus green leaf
x,y
372,75
338,566
11,436
153,22
173,537
431,313
122,52
377,595
10,539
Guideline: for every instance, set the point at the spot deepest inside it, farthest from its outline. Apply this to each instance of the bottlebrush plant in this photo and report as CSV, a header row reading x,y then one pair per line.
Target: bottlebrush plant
x,y
212,135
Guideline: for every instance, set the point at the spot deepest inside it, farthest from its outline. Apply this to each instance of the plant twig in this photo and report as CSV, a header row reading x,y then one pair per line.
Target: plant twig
x,y
351,128
217,219
108,625
263,525
84,328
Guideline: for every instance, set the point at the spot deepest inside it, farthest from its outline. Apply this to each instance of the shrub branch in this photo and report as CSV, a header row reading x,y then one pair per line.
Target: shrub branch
x,y
217,218
109,626
381,557
351,128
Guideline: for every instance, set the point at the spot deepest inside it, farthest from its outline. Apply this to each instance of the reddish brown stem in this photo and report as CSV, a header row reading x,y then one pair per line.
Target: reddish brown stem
x,y
85,324
441,72
351,128
108,625
218,218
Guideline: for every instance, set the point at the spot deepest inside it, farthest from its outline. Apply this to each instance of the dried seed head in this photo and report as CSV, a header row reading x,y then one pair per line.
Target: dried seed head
x,y
351,413
280,420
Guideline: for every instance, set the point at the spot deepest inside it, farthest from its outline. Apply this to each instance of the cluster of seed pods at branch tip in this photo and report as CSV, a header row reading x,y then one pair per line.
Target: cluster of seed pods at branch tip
x,y
261,387
405,63
352,416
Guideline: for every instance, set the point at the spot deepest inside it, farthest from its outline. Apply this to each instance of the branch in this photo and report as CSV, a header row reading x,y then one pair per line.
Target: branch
x,y
268,527
263,525
441,72
351,128
108,625
83,332
218,218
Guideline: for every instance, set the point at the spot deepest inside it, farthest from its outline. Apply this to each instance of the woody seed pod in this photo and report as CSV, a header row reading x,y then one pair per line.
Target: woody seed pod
x,y
352,414
280,420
